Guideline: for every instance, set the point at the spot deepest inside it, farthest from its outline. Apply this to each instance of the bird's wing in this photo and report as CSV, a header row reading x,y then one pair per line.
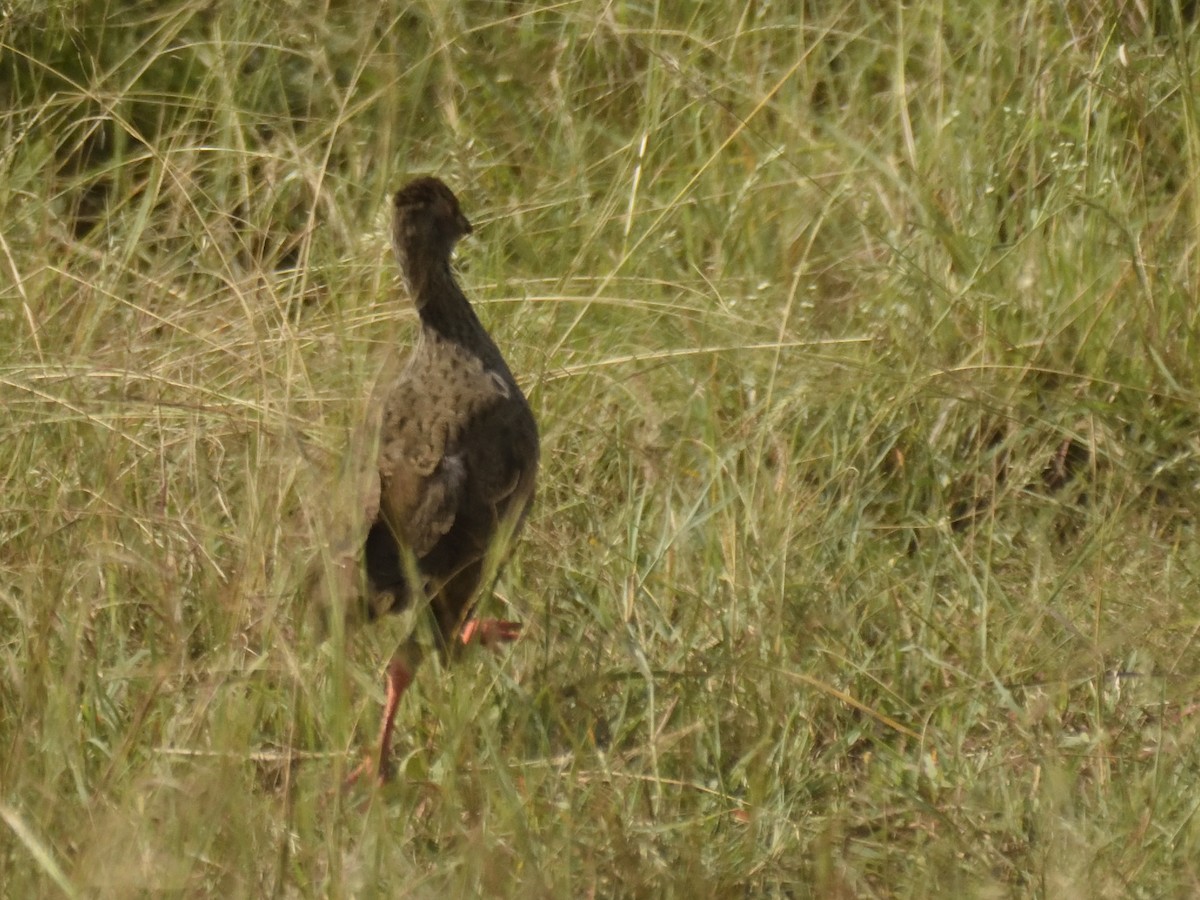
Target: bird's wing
x,y
507,469
423,457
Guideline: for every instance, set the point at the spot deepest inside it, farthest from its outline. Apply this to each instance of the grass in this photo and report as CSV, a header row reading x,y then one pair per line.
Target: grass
x,y
863,339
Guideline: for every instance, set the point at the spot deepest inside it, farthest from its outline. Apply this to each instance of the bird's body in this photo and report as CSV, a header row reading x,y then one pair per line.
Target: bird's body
x,y
457,457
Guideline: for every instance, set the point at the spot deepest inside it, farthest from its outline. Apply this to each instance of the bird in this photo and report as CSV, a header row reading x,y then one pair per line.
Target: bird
x,y
453,474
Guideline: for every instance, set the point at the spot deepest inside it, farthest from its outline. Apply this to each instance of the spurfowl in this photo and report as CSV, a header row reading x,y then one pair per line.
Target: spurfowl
x,y
456,465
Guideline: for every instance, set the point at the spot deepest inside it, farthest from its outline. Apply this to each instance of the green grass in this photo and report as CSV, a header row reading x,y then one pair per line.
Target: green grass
x,y
864,344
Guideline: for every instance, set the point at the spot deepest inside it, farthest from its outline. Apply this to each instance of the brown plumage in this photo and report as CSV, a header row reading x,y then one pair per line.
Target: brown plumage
x,y
456,465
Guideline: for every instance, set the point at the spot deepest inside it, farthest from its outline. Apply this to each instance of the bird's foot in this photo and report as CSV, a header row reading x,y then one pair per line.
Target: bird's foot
x,y
368,771
489,632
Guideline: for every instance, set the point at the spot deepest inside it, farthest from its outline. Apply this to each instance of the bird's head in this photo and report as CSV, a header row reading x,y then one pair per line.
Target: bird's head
x,y
426,223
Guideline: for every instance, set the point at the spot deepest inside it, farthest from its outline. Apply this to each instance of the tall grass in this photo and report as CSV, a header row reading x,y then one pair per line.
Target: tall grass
x,y
863,340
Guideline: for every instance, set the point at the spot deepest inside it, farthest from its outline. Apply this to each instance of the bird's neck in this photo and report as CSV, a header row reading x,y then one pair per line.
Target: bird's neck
x,y
444,309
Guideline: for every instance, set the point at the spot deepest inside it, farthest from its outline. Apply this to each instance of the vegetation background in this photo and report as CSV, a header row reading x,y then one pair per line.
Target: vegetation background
x,y
863,337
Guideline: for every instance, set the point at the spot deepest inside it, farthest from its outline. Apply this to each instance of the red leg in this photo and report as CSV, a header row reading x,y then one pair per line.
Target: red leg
x,y
489,632
400,672
399,675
